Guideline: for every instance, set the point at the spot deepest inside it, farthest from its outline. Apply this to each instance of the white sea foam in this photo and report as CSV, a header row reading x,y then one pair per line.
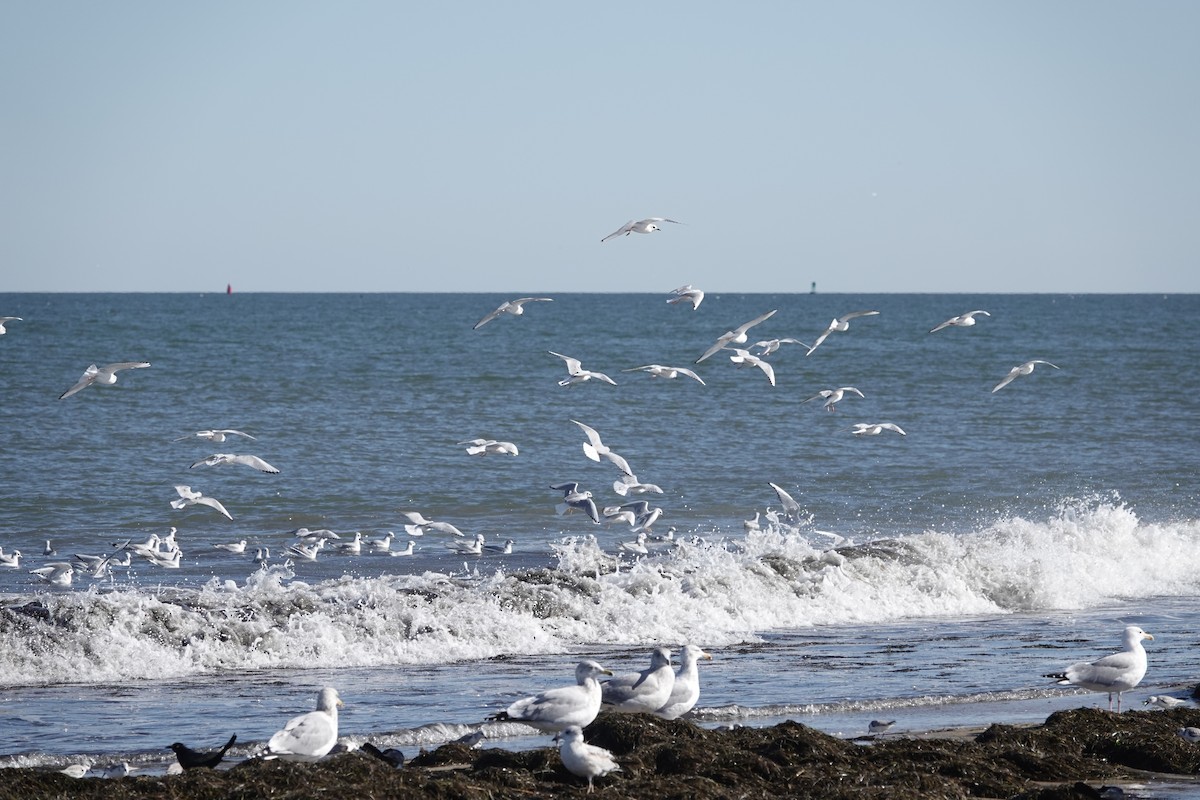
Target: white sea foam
x,y
723,592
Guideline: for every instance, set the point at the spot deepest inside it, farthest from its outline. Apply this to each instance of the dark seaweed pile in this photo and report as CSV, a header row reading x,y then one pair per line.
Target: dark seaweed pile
x,y
1069,756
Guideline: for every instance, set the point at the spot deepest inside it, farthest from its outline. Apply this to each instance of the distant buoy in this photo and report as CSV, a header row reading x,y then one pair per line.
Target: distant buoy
x,y
229,288
814,288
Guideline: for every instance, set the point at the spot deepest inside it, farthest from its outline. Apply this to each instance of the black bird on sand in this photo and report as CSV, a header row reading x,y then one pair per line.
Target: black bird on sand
x,y
391,755
190,759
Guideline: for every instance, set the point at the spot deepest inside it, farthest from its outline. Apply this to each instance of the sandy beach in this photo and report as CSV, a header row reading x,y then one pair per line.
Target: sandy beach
x,y
1073,754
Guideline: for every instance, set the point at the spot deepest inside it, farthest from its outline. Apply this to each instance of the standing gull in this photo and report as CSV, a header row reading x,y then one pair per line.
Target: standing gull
x,y
659,371
577,374
555,710
687,294
961,321
648,225
103,376
584,760
1114,674
309,736
735,336
1017,371
839,325
686,689
514,307
254,462
645,691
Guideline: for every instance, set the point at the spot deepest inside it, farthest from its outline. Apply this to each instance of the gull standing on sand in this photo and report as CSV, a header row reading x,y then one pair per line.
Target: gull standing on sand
x,y
514,307
686,690
878,726
217,436
309,736
648,225
687,294
1017,371
834,396
735,336
645,691
4,320
576,372
593,448
839,325
1190,734
575,499
659,371
743,358
102,376
555,710
961,321
1114,674
188,497
584,760
1164,701
254,462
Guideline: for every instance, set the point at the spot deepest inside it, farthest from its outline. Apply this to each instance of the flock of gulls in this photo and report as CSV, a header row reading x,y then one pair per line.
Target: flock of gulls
x,y
563,711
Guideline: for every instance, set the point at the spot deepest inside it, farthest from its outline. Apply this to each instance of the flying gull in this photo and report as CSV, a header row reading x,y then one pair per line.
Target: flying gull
x,y
104,376
648,225
514,307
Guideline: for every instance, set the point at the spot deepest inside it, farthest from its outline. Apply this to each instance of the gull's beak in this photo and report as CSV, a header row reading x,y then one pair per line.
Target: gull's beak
x,y
1147,636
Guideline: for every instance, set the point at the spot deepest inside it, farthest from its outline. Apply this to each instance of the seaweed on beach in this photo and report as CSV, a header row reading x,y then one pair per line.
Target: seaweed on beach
x,y
1067,757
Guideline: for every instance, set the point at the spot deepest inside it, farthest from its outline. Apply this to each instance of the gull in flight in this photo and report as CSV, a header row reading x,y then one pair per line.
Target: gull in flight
x,y
743,358
309,736
616,514
648,225
188,497
514,307
961,321
484,447
4,320
217,459
584,760
215,435
1114,674
659,371
573,499
875,428
735,336
645,691
791,509
577,373
555,710
418,525
104,376
686,690
593,448
768,346
1017,371
644,515
627,484
687,294
839,325
834,396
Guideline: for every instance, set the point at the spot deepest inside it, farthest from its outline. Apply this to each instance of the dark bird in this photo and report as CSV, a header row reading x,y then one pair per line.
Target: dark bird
x,y
391,755
190,759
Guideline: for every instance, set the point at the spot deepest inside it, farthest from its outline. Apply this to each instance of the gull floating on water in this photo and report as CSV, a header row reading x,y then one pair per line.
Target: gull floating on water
x,y
555,710
645,691
593,448
875,428
188,497
501,549
103,376
687,294
648,225
5,320
577,374
834,396
254,462
309,736
735,336
584,760
575,499
56,573
1113,674
217,436
382,544
514,307
12,559
659,371
1017,371
686,690
474,548
961,321
839,325
406,551
484,447
743,358
232,547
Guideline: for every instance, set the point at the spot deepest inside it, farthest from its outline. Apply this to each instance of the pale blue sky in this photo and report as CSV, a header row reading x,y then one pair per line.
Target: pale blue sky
x,y
388,146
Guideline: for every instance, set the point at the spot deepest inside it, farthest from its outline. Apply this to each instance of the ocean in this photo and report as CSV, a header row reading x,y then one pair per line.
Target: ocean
x,y
933,578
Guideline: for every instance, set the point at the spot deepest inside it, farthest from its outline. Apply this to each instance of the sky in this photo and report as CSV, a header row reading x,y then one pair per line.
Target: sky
x,y
360,146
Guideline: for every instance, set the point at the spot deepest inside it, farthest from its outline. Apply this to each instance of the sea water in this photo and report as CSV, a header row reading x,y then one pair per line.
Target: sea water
x,y
933,578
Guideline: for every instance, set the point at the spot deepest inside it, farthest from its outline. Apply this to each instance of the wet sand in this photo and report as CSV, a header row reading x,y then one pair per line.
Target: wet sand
x,y
1071,755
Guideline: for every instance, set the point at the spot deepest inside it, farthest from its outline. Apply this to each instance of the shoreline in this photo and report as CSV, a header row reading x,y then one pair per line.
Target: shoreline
x,y
1070,755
